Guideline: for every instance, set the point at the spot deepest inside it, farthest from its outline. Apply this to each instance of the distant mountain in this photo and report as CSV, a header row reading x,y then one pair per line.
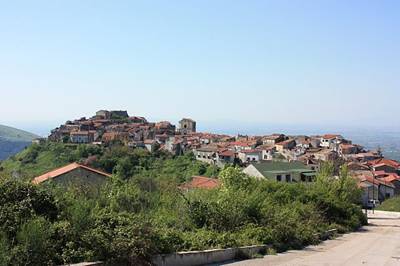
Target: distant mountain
x,y
13,140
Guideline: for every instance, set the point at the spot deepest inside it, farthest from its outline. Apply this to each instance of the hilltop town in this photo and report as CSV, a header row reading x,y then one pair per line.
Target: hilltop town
x,y
295,158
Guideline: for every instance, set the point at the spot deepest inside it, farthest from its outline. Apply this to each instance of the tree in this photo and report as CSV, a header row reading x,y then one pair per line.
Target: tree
x,y
234,178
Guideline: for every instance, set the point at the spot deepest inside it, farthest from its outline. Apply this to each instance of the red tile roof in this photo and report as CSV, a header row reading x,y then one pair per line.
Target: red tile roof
x,y
227,153
375,181
390,178
383,161
63,170
330,136
201,182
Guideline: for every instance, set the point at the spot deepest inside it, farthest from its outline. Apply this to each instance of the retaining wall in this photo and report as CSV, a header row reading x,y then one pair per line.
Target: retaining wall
x,y
194,258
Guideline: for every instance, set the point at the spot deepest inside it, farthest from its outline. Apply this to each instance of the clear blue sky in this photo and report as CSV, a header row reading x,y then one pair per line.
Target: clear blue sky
x,y
278,62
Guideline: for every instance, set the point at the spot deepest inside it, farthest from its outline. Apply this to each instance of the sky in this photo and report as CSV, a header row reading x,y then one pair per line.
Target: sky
x,y
227,64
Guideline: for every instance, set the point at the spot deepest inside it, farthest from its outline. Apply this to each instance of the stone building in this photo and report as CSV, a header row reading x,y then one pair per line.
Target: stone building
x,y
103,114
187,126
74,174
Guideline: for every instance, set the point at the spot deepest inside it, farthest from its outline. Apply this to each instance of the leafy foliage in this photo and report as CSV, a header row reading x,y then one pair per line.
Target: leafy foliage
x,y
141,211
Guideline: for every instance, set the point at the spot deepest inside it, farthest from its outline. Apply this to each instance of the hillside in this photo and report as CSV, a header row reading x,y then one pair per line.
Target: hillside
x,y
13,140
38,159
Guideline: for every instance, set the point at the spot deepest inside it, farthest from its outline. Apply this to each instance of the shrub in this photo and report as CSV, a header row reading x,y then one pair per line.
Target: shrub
x,y
34,244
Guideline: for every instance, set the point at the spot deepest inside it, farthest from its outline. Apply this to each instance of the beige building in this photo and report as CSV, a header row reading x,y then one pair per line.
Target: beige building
x,y
187,126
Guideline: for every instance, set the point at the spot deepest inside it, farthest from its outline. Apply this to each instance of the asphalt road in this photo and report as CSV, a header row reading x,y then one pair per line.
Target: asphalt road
x,y
376,244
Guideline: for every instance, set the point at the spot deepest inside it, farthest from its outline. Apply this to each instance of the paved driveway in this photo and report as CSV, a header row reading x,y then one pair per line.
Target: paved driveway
x,y
376,244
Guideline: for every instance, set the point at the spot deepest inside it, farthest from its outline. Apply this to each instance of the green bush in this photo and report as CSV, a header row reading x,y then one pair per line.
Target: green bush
x,y
34,244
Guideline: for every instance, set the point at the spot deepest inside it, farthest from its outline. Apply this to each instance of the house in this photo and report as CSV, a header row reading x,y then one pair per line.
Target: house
x,y
161,138
387,165
187,126
164,127
138,119
356,166
325,155
370,191
303,143
385,189
115,136
310,161
267,151
331,141
103,114
241,145
174,146
79,137
225,156
74,173
393,179
151,145
136,144
345,148
315,141
253,155
363,156
273,139
387,168
285,145
206,154
201,182
281,171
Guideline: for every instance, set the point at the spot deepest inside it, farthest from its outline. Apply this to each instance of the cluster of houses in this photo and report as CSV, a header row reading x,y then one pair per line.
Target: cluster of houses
x,y
277,156
311,150
379,178
108,127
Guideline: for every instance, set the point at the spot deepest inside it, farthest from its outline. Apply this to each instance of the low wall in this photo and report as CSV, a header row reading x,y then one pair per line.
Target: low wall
x,y
194,258
97,263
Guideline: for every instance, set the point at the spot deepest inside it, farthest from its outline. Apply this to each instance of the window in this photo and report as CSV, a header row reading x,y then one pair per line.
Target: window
x,y
288,178
303,178
279,178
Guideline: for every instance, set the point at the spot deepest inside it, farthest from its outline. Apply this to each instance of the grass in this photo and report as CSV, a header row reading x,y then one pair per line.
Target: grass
x,y
392,205
45,161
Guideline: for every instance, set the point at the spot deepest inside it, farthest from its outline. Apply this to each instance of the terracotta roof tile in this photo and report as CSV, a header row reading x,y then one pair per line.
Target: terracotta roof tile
x,y
64,170
201,182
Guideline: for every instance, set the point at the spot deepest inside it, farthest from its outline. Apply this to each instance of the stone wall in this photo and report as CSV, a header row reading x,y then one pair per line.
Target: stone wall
x,y
193,258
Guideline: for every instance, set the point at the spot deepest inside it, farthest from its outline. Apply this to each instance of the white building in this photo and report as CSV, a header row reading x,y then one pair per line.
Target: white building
x,y
250,155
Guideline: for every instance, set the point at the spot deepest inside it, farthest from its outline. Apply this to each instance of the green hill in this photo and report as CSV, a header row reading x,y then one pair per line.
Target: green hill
x,y
13,134
13,140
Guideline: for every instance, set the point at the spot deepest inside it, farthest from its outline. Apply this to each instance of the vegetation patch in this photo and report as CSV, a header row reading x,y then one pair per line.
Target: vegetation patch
x,y
392,205
141,211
